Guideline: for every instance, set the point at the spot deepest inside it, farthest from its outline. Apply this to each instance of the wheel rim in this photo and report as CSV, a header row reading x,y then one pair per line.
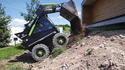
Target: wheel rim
x,y
40,52
61,40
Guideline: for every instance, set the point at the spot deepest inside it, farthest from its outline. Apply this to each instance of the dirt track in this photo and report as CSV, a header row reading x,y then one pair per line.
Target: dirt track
x,y
108,54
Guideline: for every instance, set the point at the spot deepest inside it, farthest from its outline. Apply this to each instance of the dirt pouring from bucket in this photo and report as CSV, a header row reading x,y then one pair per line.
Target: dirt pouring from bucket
x,y
77,30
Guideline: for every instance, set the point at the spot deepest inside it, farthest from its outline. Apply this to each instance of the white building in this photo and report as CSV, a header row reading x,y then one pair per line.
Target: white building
x,y
13,31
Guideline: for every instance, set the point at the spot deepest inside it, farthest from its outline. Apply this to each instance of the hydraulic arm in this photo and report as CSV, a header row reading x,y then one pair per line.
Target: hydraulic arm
x,y
67,10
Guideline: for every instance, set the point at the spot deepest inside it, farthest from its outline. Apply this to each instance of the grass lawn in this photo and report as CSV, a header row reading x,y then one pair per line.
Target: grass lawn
x,y
8,52
67,30
13,66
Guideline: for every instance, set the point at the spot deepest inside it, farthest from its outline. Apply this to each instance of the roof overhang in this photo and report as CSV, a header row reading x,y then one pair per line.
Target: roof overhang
x,y
88,2
111,21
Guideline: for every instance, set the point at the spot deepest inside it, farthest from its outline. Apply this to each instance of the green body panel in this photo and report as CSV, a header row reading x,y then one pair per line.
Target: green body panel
x,y
30,23
47,4
32,20
32,30
48,10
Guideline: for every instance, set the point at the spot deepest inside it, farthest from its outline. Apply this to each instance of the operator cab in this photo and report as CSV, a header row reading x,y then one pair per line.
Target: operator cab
x,y
43,24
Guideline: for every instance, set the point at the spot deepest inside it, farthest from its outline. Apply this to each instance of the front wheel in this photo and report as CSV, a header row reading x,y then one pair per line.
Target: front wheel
x,y
40,52
60,40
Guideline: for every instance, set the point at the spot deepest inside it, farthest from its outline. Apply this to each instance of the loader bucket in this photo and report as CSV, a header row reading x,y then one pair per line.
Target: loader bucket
x,y
68,10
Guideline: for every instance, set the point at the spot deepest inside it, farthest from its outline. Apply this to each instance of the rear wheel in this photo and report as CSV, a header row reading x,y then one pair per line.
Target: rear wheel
x,y
40,51
60,40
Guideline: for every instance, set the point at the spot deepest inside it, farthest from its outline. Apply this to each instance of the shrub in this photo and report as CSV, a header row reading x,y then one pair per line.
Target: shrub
x,y
77,42
57,51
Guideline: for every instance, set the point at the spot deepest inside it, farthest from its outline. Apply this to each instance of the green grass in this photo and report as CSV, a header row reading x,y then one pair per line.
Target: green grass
x,y
8,52
13,66
9,64
18,68
66,28
57,51
78,41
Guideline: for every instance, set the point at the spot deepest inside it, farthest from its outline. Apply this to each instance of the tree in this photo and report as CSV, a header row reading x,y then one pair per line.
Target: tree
x,y
31,9
4,28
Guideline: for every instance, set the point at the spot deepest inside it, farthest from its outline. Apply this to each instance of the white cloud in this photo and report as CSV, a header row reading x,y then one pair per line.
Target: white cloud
x,y
79,13
16,29
18,22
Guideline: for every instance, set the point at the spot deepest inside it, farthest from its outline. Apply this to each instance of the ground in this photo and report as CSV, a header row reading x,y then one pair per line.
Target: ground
x,y
108,54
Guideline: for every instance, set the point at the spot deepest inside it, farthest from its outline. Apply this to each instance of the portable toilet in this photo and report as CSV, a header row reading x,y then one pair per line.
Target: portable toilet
x,y
60,29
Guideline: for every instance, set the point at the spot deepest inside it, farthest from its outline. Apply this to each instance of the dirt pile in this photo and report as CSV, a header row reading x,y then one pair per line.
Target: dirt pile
x,y
108,54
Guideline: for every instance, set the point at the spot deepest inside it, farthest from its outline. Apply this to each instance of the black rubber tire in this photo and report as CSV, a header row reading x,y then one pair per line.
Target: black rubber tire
x,y
55,40
44,50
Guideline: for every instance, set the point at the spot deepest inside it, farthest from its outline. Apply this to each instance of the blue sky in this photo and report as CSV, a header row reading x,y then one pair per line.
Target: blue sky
x,y
14,7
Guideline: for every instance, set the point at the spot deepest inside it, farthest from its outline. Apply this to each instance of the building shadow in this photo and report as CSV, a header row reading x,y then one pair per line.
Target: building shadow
x,y
107,31
107,34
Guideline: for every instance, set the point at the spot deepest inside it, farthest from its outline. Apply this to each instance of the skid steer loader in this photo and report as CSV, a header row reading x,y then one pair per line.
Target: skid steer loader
x,y
40,34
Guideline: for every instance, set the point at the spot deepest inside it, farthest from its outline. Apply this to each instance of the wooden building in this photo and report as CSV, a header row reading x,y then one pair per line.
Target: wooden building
x,y
103,12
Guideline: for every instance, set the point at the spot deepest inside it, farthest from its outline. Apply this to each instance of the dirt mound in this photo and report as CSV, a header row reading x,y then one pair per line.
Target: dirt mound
x,y
108,54
108,58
